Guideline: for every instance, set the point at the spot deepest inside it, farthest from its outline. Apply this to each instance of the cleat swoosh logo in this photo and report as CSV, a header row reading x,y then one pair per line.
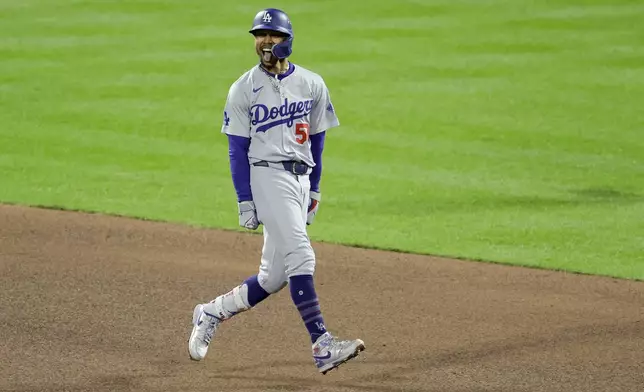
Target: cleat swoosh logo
x,y
327,356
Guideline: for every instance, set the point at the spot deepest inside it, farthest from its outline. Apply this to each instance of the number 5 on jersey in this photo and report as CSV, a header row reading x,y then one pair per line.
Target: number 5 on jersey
x,y
301,133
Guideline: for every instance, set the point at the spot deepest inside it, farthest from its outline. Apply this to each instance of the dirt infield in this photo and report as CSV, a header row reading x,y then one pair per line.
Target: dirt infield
x,y
95,303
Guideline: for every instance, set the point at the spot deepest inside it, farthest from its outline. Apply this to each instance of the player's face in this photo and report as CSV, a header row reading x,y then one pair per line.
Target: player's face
x,y
264,41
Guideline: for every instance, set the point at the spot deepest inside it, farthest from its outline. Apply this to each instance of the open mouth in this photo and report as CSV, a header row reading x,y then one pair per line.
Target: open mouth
x,y
267,54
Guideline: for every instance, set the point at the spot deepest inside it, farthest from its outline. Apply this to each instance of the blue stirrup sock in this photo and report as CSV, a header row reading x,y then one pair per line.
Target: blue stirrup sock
x,y
256,293
306,301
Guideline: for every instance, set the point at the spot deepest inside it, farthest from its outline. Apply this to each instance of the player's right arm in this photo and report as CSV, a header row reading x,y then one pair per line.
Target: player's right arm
x,y
237,127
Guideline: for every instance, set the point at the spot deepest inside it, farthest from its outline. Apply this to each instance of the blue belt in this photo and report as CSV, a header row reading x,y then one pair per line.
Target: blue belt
x,y
295,167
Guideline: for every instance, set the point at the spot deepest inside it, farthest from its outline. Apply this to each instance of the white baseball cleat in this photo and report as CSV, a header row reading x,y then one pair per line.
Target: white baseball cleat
x,y
204,328
329,352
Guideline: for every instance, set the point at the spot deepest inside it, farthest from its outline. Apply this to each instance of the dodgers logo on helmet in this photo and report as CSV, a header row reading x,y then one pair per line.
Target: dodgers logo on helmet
x,y
286,113
274,20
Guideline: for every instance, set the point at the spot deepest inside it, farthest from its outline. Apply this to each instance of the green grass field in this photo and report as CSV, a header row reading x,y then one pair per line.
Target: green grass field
x,y
509,131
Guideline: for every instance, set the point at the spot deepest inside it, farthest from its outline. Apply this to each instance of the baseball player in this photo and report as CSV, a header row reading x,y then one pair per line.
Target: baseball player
x,y
275,117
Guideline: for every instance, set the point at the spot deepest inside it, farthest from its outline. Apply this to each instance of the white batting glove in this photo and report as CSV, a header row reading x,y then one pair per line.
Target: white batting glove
x,y
248,215
314,205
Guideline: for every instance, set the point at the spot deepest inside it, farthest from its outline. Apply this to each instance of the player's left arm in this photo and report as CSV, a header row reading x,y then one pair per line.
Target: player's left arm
x,y
317,146
323,117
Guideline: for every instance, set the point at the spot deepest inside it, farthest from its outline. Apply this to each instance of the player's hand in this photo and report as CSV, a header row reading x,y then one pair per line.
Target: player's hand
x,y
314,205
248,215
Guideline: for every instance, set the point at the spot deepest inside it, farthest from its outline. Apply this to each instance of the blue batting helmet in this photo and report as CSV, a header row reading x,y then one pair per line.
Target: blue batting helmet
x,y
275,20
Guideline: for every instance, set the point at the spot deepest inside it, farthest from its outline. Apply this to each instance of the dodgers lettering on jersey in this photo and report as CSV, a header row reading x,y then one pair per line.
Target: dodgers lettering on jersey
x,y
287,113
279,115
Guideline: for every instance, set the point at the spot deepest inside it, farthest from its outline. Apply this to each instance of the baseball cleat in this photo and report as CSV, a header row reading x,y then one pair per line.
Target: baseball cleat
x,y
204,327
329,352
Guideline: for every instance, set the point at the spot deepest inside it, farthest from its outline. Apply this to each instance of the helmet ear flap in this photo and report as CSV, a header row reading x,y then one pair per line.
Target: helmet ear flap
x,y
283,49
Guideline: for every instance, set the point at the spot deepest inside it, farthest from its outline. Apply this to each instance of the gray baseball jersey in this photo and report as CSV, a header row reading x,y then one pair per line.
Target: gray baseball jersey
x,y
279,113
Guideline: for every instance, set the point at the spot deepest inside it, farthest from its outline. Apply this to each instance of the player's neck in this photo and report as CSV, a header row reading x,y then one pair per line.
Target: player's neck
x,y
279,68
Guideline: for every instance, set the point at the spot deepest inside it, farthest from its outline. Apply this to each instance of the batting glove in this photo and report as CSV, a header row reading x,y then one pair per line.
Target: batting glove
x,y
248,215
314,205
